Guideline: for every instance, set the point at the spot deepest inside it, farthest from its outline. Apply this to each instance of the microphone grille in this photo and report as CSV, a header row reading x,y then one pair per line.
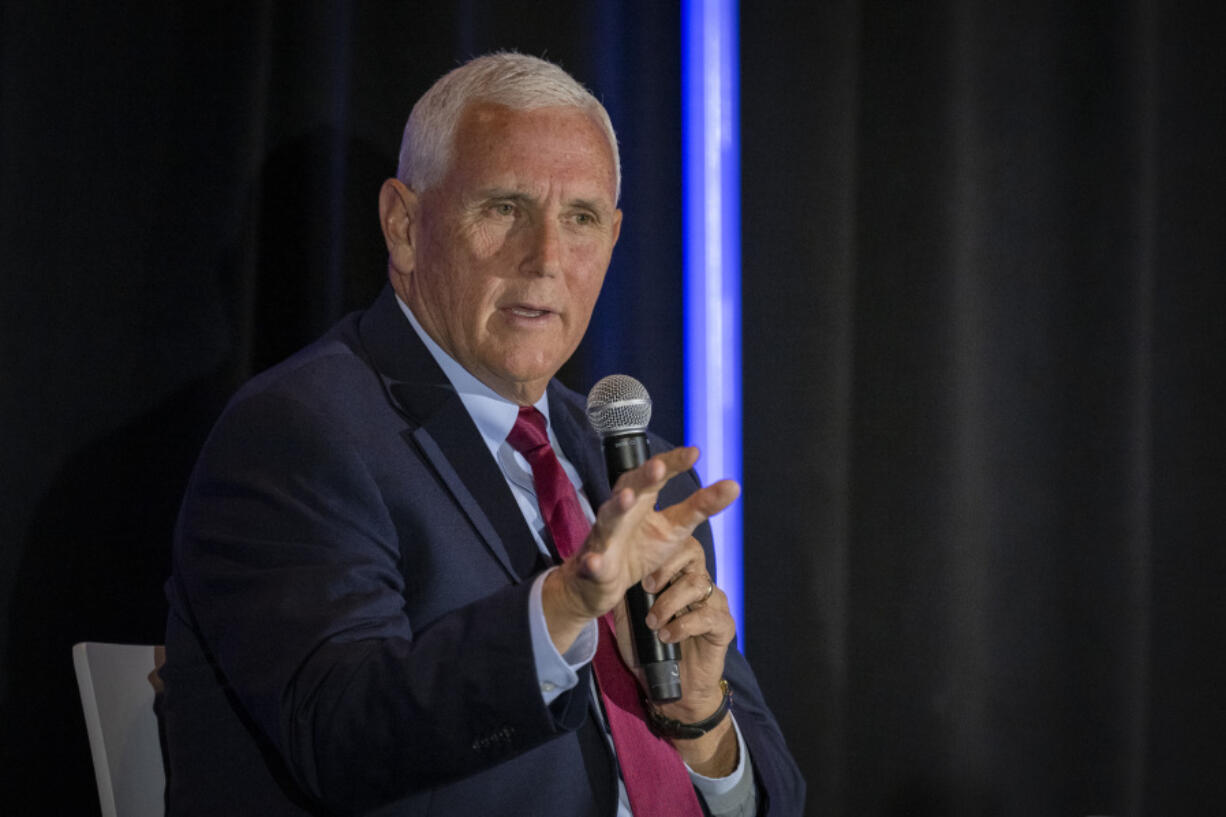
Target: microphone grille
x,y
618,404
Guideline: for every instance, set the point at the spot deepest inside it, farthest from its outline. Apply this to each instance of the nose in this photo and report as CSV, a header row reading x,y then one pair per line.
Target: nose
x,y
544,256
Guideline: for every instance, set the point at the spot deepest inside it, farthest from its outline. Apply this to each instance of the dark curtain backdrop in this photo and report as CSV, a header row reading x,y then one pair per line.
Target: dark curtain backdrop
x,y
984,262
990,238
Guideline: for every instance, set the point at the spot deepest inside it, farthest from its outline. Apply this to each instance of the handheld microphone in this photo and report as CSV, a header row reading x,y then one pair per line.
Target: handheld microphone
x,y
619,408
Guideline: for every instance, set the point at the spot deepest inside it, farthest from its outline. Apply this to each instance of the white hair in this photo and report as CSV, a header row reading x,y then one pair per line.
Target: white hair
x,y
516,81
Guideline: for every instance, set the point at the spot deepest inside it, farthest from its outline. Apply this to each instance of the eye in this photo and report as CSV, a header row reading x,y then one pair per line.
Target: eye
x,y
503,208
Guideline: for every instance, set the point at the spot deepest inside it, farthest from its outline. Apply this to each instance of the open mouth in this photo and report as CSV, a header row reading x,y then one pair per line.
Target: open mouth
x,y
524,311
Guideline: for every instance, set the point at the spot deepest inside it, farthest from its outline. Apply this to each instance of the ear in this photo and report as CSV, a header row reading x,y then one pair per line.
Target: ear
x,y
398,218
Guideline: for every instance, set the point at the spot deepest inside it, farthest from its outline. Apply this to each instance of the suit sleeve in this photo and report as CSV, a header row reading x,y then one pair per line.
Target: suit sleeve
x,y
292,572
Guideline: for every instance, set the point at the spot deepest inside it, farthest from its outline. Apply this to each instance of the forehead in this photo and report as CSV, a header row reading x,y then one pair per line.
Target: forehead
x,y
495,144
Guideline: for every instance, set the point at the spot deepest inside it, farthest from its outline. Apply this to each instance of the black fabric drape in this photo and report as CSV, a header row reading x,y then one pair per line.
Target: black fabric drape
x,y
983,231
984,478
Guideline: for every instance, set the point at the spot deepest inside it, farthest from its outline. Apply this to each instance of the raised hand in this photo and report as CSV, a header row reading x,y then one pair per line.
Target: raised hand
x,y
630,540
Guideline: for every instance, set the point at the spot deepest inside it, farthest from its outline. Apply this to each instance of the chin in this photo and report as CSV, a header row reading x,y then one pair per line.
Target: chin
x,y
527,365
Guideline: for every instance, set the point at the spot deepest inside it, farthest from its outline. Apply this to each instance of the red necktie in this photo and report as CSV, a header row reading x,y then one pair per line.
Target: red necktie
x,y
657,782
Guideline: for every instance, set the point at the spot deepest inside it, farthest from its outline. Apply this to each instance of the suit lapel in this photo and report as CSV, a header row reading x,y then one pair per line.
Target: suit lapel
x,y
445,435
452,444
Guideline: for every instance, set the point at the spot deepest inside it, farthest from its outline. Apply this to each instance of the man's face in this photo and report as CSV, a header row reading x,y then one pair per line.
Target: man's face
x,y
509,249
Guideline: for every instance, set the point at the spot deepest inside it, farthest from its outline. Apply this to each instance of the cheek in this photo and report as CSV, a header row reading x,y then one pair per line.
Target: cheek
x,y
460,277
589,276
471,297
588,290
485,241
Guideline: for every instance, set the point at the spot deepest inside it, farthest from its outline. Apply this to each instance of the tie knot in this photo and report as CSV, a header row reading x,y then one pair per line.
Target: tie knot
x,y
528,433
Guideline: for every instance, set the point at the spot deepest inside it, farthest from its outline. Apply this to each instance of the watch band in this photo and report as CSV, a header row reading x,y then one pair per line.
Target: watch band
x,y
667,727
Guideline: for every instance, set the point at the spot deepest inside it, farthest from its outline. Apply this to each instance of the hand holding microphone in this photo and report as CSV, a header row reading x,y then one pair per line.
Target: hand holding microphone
x,y
619,408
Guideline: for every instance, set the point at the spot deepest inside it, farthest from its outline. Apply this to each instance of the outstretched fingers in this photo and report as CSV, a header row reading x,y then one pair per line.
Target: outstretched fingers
x,y
703,504
636,491
652,475
632,539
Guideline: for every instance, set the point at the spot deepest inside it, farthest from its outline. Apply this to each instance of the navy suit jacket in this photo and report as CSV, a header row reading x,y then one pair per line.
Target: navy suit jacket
x,y
348,627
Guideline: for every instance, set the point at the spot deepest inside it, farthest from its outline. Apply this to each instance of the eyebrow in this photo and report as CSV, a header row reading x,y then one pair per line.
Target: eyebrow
x,y
501,193
589,204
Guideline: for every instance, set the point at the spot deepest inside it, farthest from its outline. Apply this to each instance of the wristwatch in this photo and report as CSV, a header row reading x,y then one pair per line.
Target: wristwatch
x,y
667,727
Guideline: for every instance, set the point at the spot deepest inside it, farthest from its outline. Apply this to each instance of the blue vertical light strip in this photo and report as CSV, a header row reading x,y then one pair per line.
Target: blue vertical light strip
x,y
712,218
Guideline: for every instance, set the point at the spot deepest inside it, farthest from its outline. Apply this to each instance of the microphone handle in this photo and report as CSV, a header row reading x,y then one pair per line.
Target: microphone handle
x,y
660,662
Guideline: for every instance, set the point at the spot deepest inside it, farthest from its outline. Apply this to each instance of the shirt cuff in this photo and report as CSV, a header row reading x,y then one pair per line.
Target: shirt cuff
x,y
734,795
556,672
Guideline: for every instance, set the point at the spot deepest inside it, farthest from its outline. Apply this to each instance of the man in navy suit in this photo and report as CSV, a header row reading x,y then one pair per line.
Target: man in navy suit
x,y
369,613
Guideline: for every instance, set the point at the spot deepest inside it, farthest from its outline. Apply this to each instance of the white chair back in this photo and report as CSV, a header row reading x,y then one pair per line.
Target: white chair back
x,y
118,683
